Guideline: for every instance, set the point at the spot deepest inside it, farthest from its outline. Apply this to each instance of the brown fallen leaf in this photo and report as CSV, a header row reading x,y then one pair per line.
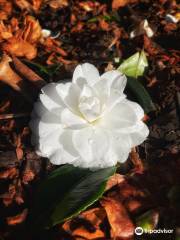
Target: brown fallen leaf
x,y
20,48
5,9
87,6
10,77
137,162
7,75
121,225
121,3
5,32
8,197
36,5
104,25
29,6
23,41
31,31
57,4
114,180
82,232
87,225
19,153
28,73
24,5
17,219
9,173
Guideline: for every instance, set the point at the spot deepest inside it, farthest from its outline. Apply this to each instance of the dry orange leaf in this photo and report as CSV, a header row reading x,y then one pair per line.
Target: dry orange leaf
x,y
23,42
20,48
5,31
29,5
5,9
29,74
9,173
32,30
18,218
93,217
121,224
36,4
7,75
83,232
24,5
114,180
57,4
121,3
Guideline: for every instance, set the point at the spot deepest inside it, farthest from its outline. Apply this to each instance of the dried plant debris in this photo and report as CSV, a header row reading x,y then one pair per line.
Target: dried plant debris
x,y
42,42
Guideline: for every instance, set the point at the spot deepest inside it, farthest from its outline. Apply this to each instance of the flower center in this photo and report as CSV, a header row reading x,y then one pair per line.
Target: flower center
x,y
90,108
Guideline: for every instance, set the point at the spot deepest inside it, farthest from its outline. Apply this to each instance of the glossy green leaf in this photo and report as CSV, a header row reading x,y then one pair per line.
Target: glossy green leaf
x,y
141,94
135,65
68,191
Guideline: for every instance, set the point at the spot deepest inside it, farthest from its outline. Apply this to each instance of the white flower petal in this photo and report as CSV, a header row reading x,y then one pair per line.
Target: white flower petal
x,y
85,74
88,143
50,97
71,120
110,88
121,118
140,134
47,147
89,104
120,146
66,153
136,108
69,94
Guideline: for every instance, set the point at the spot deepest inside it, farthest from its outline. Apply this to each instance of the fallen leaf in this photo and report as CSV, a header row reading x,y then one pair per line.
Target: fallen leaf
x,y
9,173
29,74
137,162
7,75
17,219
87,6
121,3
8,159
5,9
20,48
57,4
23,5
19,153
104,25
10,77
22,42
121,224
87,225
5,32
36,4
31,31
114,180
8,197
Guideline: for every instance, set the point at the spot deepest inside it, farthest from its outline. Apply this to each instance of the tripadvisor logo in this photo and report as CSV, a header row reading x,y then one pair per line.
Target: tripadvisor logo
x,y
140,231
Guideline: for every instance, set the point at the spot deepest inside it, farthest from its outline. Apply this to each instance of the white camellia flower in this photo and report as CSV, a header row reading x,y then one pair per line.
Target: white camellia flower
x,y
88,122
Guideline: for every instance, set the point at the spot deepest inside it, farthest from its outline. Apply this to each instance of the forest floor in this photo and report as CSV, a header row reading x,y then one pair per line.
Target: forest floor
x,y
49,38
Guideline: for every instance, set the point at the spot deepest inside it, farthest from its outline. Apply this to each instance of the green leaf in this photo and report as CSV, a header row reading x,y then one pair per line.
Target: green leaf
x,y
68,191
141,94
135,65
149,220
